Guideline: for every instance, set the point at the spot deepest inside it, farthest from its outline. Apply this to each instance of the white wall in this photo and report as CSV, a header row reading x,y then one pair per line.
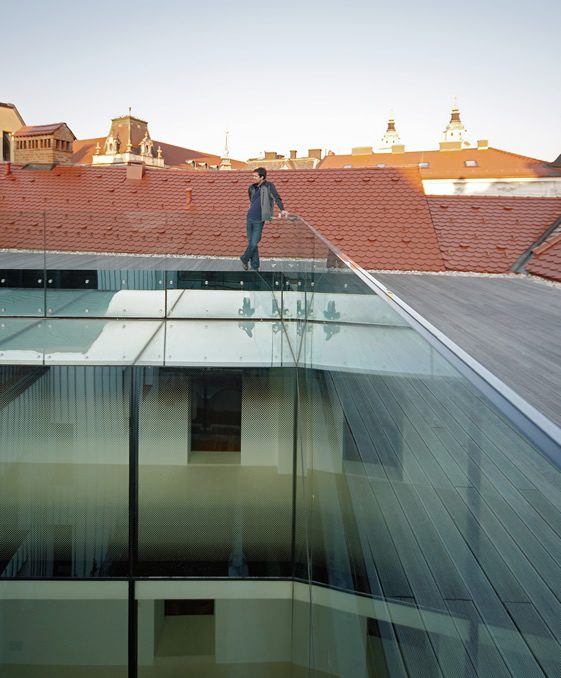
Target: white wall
x,y
65,632
267,420
537,188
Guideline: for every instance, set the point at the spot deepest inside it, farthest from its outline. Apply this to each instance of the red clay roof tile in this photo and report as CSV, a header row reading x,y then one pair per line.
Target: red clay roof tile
x,y
546,259
488,234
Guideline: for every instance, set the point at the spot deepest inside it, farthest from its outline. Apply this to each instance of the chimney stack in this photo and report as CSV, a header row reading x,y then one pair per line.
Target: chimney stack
x,y
44,144
293,155
135,172
482,144
270,155
188,196
314,153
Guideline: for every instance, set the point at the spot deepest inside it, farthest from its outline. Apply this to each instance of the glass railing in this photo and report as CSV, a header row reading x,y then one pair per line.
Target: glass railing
x,y
287,447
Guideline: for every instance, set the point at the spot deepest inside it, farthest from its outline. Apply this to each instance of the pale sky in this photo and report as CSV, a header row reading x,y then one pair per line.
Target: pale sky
x,y
291,74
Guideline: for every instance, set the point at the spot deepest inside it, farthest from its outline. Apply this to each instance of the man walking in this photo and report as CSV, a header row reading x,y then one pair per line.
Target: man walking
x,y
262,195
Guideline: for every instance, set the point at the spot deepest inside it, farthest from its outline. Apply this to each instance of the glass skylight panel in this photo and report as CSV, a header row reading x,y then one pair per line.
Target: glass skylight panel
x,y
424,165
471,163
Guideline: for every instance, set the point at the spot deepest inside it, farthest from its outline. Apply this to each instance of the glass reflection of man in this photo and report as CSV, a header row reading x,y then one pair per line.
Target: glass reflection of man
x,y
262,196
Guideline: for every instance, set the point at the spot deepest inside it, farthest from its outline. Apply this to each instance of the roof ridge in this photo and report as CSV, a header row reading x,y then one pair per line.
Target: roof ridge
x,y
517,155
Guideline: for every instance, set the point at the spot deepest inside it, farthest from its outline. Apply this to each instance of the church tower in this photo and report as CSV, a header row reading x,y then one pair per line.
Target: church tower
x,y
455,133
390,138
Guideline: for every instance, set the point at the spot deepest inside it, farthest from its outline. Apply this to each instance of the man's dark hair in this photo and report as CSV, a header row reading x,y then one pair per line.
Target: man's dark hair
x,y
261,171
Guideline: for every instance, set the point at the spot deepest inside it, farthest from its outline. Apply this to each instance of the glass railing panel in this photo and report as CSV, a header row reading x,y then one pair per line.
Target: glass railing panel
x,y
22,263
428,508
53,629
64,471
97,265
426,495
247,342
215,471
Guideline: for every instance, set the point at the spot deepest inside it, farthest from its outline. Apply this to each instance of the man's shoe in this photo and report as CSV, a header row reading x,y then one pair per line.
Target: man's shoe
x,y
244,264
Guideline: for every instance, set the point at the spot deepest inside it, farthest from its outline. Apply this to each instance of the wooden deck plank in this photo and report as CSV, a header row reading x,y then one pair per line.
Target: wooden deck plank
x,y
415,645
468,431
379,413
544,646
415,446
425,421
523,568
508,439
370,445
479,645
381,552
442,567
499,624
487,556
545,508
534,536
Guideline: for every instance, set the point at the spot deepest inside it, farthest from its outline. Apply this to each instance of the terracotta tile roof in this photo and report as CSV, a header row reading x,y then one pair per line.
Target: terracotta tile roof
x,y
84,149
491,162
35,130
488,234
546,259
380,218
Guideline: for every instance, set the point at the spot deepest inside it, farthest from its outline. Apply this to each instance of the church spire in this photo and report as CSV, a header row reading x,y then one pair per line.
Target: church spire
x,y
225,163
390,138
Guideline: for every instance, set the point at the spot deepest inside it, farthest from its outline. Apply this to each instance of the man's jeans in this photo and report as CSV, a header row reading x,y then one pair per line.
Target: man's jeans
x,y
254,231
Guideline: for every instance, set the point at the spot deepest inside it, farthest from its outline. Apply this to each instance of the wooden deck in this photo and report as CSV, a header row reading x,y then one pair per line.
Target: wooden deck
x,y
512,326
458,515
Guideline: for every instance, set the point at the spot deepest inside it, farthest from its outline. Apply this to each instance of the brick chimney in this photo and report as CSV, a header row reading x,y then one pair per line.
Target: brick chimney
x,y
314,153
270,155
44,144
293,155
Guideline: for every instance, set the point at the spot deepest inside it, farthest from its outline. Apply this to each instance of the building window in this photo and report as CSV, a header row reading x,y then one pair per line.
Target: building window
x,y
5,146
471,163
216,412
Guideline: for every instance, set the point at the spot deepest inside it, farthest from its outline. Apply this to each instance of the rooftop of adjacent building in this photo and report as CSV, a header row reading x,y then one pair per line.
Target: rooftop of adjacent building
x,y
466,163
380,217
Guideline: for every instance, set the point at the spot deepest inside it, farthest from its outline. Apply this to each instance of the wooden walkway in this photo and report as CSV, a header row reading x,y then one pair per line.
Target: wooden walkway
x,y
511,325
457,514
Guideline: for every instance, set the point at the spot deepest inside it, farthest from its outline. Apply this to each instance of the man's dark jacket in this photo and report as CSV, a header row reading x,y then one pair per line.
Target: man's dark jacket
x,y
268,194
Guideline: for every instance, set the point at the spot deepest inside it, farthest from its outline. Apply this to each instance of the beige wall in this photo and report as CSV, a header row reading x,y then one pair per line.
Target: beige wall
x,y
9,122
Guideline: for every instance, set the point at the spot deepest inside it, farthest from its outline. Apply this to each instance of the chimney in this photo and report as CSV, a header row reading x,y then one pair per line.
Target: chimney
x,y
314,153
135,172
44,144
188,197
482,144
270,155
7,169
293,155
398,148
361,150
